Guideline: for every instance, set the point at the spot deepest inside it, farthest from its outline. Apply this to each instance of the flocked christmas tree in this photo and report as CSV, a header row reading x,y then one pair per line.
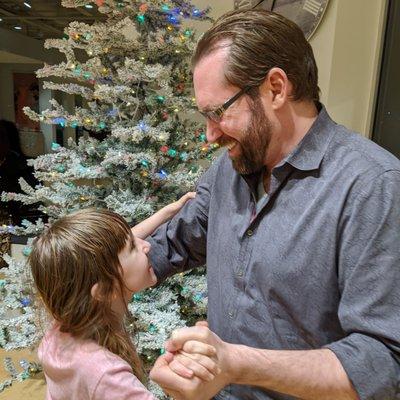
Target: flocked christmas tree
x,y
132,71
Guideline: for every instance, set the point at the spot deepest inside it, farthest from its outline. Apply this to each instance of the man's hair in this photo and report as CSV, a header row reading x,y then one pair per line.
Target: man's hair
x,y
67,259
257,41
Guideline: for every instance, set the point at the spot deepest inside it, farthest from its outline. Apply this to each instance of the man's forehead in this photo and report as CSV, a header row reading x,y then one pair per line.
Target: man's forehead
x,y
209,79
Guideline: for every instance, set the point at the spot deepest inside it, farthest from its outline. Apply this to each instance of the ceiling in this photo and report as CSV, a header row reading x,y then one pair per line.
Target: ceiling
x,y
45,19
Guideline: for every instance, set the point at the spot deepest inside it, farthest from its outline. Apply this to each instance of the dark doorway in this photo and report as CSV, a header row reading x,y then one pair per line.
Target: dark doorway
x,y
386,130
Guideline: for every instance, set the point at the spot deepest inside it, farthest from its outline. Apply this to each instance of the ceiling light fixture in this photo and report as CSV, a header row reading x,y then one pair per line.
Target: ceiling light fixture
x,y
18,28
27,4
88,6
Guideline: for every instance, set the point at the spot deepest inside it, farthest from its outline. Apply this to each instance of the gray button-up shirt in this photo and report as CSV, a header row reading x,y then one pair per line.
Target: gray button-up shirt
x,y
316,264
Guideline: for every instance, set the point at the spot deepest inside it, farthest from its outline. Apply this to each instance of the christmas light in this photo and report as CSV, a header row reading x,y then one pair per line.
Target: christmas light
x,y
140,19
172,152
26,251
60,168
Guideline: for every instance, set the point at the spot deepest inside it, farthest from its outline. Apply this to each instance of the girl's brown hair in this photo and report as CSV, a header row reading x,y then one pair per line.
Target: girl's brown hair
x,y
73,254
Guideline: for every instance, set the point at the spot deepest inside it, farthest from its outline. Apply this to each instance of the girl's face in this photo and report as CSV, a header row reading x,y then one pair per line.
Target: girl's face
x,y
137,272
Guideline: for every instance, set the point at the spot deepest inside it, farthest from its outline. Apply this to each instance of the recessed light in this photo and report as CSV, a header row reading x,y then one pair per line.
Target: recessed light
x,y
27,4
1,19
18,28
88,6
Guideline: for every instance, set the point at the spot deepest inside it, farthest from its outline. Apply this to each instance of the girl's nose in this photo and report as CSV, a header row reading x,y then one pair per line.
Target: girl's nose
x,y
146,246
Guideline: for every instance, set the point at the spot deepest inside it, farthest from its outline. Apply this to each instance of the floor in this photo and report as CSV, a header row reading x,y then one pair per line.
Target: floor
x,y
33,388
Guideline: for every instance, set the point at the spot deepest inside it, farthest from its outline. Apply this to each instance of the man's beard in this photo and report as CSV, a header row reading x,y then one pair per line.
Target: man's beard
x,y
255,141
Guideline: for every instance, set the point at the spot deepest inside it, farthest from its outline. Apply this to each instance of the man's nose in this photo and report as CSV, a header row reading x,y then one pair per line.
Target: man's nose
x,y
213,131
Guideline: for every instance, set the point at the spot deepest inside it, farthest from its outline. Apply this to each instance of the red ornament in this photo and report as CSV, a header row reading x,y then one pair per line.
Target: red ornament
x,y
143,8
180,87
165,116
164,149
100,3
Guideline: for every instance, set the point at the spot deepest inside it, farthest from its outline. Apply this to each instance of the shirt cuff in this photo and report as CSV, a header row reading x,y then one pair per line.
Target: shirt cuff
x,y
370,366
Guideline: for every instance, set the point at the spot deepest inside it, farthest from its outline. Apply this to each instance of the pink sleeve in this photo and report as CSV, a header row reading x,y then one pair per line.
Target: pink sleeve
x,y
119,383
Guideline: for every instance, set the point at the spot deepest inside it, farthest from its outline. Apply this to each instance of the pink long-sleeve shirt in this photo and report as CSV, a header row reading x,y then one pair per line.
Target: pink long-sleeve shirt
x,y
82,370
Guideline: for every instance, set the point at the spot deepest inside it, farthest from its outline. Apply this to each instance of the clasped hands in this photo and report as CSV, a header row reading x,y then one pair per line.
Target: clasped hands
x,y
195,365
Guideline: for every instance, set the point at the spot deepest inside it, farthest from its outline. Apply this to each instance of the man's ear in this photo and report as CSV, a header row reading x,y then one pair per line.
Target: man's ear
x,y
277,86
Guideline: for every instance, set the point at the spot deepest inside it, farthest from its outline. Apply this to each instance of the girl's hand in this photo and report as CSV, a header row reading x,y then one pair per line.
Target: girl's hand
x,y
176,206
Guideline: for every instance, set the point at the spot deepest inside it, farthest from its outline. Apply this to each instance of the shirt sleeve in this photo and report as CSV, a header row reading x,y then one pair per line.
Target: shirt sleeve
x,y
119,383
369,282
180,244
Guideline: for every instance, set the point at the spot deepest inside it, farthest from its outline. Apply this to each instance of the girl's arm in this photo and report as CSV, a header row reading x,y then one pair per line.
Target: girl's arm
x,y
149,225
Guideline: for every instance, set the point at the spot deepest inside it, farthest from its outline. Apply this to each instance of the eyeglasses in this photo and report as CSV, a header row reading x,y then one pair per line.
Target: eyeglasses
x,y
216,115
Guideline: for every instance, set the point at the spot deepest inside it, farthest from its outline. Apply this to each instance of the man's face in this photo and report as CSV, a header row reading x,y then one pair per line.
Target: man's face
x,y
244,128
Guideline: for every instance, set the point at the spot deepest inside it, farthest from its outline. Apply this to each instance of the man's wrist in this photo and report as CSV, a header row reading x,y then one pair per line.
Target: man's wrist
x,y
233,362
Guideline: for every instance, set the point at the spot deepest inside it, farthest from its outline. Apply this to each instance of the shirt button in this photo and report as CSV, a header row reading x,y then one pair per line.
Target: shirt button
x,y
230,313
240,273
249,232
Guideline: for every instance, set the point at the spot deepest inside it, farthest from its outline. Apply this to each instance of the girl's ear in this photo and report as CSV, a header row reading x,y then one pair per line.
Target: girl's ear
x,y
95,292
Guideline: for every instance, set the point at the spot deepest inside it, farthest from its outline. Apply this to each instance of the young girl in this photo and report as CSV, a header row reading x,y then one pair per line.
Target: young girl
x,y
86,267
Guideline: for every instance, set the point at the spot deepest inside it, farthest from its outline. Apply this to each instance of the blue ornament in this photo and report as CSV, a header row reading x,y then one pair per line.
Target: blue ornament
x,y
143,126
82,169
184,291
60,121
203,137
26,251
162,175
145,163
102,125
137,297
196,12
152,328
165,8
74,125
60,168
26,301
184,156
2,283
55,146
198,297
77,71
173,20
113,112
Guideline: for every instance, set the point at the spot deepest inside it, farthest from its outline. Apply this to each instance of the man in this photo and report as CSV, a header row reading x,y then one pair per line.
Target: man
x,y
298,222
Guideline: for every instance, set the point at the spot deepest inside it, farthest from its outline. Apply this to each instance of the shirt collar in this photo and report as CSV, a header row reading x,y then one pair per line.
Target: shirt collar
x,y
309,153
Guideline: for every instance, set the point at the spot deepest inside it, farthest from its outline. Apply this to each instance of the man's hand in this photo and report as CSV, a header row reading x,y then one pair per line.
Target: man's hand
x,y
185,343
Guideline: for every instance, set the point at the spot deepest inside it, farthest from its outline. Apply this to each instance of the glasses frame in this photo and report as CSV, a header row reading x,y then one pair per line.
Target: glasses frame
x,y
216,115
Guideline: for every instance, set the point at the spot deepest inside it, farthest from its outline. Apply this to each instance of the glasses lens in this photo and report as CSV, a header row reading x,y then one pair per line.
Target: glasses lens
x,y
211,115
